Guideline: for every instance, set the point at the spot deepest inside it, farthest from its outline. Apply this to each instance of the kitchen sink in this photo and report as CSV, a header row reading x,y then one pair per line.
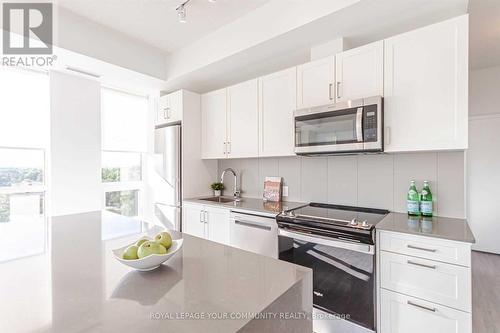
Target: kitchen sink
x,y
218,199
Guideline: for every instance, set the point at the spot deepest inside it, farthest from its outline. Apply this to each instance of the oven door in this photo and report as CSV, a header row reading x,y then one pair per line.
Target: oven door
x,y
343,278
329,129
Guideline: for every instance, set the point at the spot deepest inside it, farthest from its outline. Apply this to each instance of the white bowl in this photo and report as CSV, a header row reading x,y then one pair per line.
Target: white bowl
x,y
150,262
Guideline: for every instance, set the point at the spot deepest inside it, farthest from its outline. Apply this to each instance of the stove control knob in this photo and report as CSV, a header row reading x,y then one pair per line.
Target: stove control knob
x,y
365,224
353,222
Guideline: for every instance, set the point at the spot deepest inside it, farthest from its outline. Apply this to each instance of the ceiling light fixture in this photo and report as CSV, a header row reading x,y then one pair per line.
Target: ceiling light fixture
x,y
181,13
181,10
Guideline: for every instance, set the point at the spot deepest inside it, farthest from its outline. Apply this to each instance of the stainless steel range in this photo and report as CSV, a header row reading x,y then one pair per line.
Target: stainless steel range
x,y
338,244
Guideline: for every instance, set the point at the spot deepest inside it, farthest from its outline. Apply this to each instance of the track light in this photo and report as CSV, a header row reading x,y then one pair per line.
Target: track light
x,y
181,10
181,13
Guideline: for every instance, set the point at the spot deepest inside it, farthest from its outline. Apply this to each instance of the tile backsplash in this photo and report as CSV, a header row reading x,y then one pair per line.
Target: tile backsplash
x,y
379,181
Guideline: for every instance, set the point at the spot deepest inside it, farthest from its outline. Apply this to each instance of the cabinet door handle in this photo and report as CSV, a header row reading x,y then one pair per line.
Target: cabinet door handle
x,y
420,248
166,113
224,148
229,147
421,265
387,136
202,217
205,214
338,90
330,95
421,306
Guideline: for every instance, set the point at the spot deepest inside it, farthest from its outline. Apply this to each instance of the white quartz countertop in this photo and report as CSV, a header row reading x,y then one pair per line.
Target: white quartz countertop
x,y
436,227
256,205
75,284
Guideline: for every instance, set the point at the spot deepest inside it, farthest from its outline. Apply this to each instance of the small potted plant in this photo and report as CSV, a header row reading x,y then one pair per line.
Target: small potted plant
x,y
217,187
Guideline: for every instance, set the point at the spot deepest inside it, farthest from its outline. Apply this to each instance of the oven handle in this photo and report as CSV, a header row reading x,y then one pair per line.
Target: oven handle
x,y
364,248
359,125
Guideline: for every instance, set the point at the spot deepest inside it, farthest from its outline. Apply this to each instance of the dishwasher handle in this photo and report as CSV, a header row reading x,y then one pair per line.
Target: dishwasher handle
x,y
254,221
253,224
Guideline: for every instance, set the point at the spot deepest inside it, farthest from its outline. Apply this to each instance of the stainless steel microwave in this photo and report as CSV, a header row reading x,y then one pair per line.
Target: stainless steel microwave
x,y
349,127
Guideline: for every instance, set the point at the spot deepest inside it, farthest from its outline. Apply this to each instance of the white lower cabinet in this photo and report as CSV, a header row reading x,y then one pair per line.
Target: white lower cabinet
x,y
405,314
424,284
434,281
217,220
206,222
428,248
193,220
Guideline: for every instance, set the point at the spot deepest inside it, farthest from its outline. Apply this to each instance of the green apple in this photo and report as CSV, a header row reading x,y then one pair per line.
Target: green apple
x,y
150,247
140,241
131,252
164,239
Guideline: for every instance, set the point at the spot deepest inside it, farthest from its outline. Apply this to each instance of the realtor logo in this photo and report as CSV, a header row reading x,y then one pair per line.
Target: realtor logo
x,y
34,21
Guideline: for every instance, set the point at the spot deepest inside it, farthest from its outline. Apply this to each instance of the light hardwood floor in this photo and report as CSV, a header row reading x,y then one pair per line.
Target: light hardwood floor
x,y
485,292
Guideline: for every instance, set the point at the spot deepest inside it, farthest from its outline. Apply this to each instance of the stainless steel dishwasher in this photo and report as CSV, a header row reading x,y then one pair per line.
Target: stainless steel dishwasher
x,y
254,232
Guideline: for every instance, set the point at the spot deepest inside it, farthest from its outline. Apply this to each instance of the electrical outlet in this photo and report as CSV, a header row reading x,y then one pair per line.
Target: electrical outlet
x,y
285,191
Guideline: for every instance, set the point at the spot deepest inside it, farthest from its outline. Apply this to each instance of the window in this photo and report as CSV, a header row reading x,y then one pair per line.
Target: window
x,y
21,183
24,134
121,167
123,202
124,142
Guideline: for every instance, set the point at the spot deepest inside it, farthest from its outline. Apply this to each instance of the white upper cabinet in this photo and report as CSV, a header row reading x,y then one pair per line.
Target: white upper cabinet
x,y
213,113
422,75
360,72
277,102
169,108
426,88
243,121
315,81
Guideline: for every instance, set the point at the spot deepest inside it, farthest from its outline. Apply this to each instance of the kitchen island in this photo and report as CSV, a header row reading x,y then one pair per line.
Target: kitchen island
x,y
74,284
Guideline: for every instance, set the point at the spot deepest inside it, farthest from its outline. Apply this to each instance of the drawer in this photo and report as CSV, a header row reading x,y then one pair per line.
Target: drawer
x,y
434,281
425,247
405,314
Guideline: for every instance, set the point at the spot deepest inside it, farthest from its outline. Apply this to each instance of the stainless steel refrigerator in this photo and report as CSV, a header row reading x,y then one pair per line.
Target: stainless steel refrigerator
x,y
167,182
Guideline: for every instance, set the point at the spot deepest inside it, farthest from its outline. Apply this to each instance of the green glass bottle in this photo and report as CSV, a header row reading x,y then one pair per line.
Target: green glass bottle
x,y
413,200
426,200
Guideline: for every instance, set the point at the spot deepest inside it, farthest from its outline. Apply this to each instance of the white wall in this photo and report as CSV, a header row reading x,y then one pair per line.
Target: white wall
x,y
483,158
91,39
484,91
75,148
379,181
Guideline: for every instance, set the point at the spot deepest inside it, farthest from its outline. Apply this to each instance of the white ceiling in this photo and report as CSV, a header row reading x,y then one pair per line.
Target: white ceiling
x,y
363,22
484,41
155,22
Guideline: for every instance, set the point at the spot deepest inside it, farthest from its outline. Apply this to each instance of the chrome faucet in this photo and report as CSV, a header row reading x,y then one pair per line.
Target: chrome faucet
x,y
236,191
